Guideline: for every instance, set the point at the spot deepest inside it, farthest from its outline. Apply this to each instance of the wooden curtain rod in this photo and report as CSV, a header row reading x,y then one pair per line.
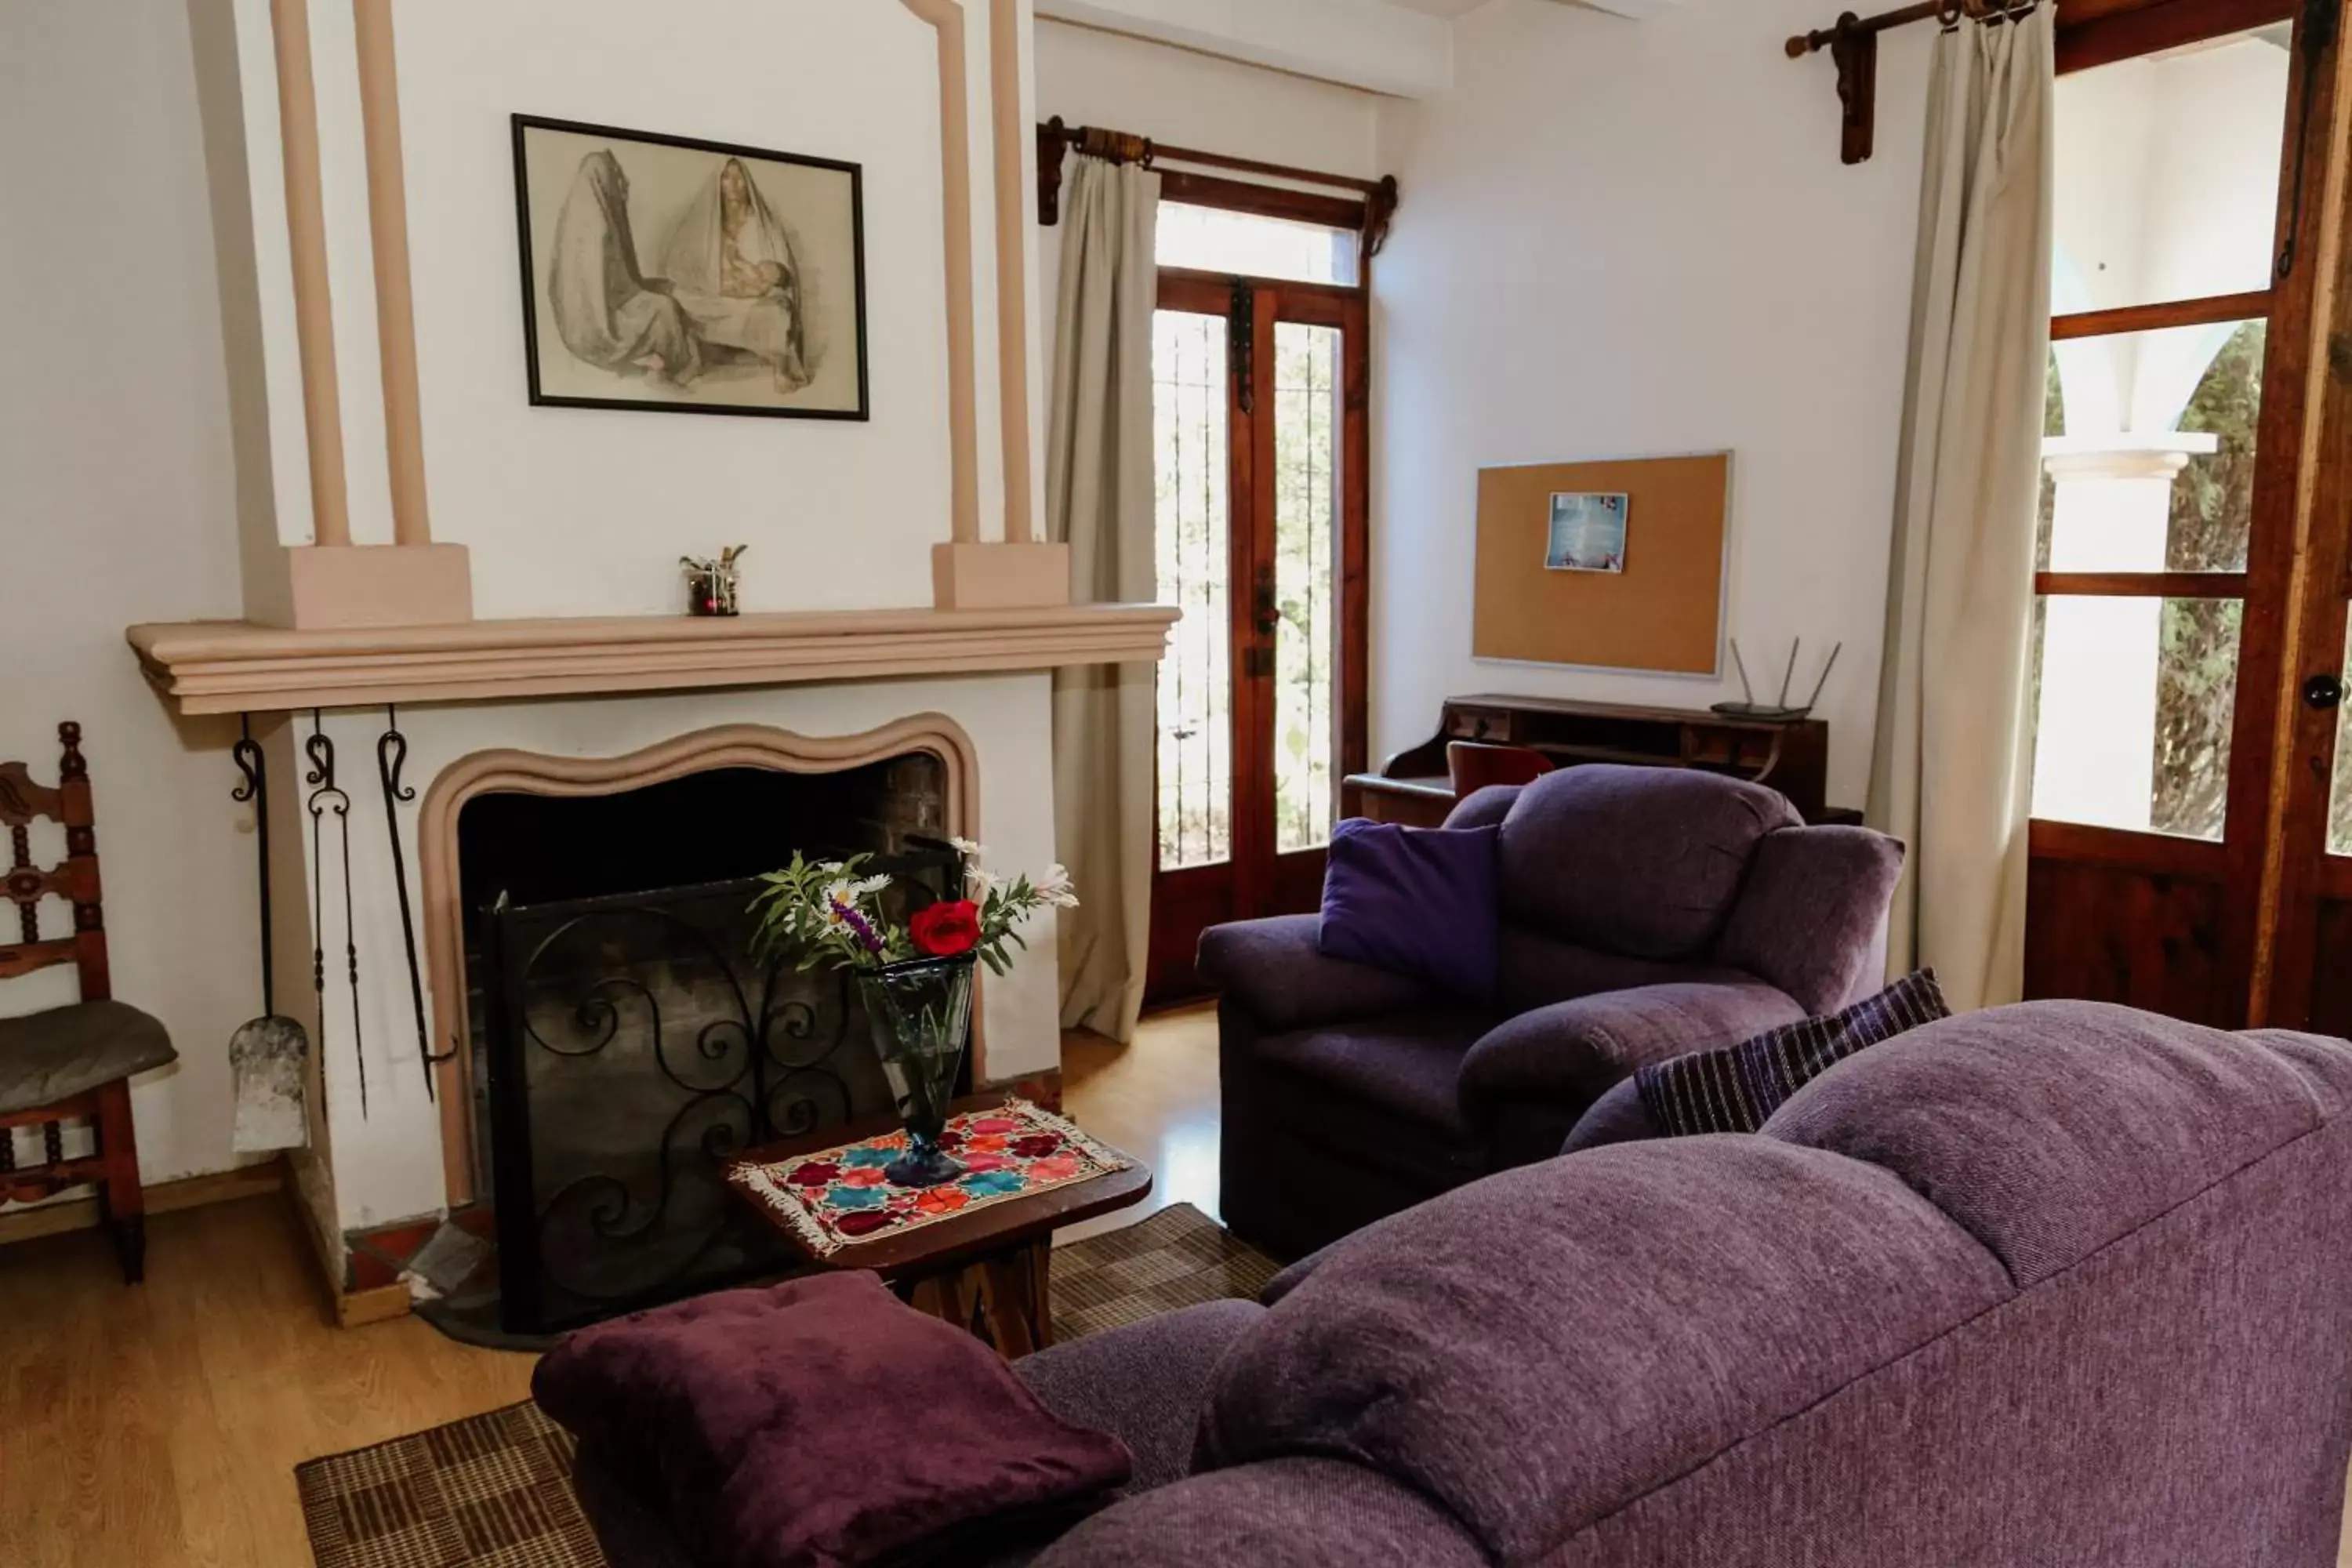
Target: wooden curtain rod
x,y
1853,43
1377,199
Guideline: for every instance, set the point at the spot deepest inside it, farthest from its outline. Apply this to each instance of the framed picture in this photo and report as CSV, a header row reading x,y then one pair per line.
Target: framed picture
x,y
1587,532
688,277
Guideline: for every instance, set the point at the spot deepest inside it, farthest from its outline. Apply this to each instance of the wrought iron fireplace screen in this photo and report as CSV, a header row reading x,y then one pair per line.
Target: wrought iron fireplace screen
x,y
637,1042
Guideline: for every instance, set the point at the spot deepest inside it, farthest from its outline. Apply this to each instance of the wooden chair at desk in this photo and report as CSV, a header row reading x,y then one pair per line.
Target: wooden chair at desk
x,y
1472,765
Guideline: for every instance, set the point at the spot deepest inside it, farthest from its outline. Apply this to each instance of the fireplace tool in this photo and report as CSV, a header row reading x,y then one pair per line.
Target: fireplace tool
x,y
391,757
266,1053
324,799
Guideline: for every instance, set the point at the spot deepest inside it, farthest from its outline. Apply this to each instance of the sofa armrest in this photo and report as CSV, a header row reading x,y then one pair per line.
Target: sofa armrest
x,y
1274,969
1574,1051
1811,916
1145,1383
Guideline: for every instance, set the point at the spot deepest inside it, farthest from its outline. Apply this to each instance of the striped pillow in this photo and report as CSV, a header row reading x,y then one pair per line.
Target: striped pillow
x,y
1738,1089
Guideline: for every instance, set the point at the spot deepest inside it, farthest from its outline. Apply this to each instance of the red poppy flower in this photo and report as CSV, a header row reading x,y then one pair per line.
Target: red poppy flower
x,y
863,1221
822,1174
943,930
1038,1145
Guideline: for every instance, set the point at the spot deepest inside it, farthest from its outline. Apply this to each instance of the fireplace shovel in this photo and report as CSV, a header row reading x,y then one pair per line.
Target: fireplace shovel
x,y
267,1053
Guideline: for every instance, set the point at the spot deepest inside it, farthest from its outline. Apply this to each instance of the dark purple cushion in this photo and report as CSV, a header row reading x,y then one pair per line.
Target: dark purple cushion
x,y
1413,901
817,1420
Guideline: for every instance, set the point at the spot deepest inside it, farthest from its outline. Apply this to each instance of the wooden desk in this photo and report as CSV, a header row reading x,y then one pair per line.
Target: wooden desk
x,y
1412,789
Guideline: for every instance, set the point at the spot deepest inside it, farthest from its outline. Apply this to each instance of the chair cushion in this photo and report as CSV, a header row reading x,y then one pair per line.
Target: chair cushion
x,y
1413,901
50,1057
1643,861
1408,1064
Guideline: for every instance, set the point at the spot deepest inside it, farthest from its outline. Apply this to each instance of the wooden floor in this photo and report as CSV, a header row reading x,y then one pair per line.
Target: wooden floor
x,y
160,1426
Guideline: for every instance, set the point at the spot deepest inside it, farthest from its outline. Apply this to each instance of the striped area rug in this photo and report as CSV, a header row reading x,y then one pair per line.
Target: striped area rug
x,y
495,1490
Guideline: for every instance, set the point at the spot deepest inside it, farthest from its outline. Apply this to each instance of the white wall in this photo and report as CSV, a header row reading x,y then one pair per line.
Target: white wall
x,y
838,515
1623,238
1212,105
1091,78
118,503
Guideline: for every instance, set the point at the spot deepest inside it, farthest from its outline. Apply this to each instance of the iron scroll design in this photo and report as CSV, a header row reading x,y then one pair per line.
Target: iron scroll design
x,y
767,1066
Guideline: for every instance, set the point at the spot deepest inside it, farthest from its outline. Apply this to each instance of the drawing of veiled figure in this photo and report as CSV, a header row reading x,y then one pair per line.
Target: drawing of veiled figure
x,y
731,266
608,313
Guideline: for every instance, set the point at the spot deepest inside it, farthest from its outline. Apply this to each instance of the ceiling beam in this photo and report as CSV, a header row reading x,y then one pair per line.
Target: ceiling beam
x,y
1367,44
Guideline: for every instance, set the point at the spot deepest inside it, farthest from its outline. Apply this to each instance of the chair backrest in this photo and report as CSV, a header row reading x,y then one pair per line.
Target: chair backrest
x,y
1472,765
74,878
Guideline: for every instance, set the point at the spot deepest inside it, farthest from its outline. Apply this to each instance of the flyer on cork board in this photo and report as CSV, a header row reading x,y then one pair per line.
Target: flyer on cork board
x,y
1610,565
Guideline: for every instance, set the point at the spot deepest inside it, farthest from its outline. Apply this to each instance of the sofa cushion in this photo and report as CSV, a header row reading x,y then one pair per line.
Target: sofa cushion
x,y
1641,862
2051,1129
1617,1117
1637,1311
722,1402
1810,912
53,1056
1572,1052
1407,1064
1535,969
1293,1513
1413,901
1737,1089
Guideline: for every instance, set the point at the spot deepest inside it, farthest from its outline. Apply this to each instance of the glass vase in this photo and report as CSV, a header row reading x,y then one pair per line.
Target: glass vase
x,y
920,1013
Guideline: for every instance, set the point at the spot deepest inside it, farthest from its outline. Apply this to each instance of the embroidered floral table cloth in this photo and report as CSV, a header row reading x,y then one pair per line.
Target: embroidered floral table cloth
x,y
836,1198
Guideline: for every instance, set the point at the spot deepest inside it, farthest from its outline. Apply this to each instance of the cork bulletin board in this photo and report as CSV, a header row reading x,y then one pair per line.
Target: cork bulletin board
x,y
1662,611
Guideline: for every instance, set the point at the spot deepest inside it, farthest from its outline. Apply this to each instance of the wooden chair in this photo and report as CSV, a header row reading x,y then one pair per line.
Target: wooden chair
x,y
1474,765
71,1063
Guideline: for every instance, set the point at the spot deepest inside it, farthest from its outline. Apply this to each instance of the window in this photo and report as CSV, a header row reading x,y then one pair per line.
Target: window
x,y
1211,240
2166,204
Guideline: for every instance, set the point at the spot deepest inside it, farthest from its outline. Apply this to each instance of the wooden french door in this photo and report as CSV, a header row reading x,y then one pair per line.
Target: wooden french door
x,y
1260,389
2193,808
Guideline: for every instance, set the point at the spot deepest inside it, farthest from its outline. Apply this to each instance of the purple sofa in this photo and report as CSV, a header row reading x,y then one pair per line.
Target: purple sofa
x,y
2061,1283
1645,912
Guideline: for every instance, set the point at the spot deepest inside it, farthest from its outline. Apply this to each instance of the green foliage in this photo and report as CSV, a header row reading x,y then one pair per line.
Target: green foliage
x,y
2197,675
831,913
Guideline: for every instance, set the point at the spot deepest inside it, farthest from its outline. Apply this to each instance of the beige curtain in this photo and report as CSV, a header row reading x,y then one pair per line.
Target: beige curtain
x,y
1953,768
1099,498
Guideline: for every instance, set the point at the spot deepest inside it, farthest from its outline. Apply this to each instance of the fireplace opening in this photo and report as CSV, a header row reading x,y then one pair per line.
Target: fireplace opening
x,y
630,1038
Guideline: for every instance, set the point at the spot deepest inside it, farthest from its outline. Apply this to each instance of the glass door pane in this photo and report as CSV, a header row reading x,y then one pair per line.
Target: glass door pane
x,y
1307,468
1194,546
2340,803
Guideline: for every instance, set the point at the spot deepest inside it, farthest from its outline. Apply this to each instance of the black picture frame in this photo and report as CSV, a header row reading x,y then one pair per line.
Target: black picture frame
x,y
524,124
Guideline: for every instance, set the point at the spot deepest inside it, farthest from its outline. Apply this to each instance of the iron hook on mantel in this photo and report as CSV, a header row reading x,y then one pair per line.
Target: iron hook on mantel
x,y
391,758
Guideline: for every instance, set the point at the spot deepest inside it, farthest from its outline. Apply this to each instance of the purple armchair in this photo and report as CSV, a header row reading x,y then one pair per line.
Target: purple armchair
x,y
1645,912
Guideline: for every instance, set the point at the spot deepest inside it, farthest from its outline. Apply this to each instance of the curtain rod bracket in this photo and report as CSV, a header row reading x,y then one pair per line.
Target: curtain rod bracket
x,y
1853,44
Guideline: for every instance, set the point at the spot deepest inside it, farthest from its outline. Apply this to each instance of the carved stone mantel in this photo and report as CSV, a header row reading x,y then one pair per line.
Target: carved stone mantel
x,y
230,667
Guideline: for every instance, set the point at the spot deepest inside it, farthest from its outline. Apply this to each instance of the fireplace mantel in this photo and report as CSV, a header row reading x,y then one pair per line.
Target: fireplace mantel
x,y
229,667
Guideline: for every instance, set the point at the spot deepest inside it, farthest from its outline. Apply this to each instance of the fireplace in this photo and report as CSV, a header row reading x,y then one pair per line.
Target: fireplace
x,y
629,1036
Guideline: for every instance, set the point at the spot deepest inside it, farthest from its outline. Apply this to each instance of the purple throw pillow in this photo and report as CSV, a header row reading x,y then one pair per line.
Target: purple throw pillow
x,y
818,1421
1414,900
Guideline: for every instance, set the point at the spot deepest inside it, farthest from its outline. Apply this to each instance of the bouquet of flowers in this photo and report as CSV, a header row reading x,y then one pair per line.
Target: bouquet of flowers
x,y
914,975
833,912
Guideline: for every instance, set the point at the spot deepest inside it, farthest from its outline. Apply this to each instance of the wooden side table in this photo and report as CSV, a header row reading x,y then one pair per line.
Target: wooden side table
x,y
989,1271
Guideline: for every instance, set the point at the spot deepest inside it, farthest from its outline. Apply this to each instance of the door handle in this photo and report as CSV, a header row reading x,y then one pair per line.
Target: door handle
x,y
2324,691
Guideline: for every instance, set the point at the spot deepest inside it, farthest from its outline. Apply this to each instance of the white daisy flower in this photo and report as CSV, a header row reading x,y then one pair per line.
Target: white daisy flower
x,y
1055,888
969,849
